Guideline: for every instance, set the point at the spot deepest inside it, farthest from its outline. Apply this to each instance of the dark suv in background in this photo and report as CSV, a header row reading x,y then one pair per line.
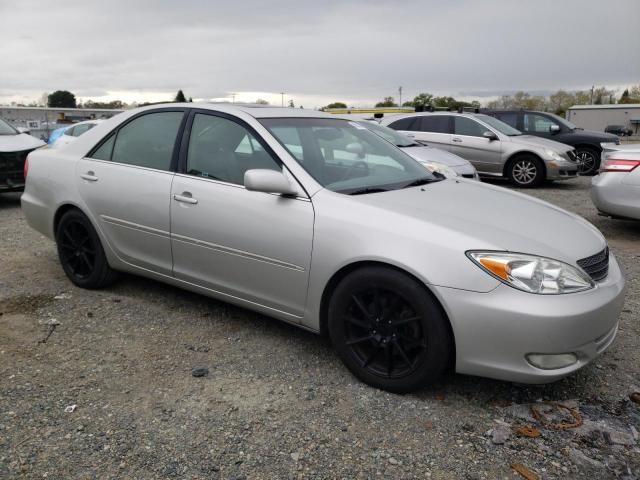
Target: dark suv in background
x,y
553,127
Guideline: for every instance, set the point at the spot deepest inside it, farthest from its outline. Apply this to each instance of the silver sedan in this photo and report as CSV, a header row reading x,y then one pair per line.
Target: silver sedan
x,y
615,191
316,221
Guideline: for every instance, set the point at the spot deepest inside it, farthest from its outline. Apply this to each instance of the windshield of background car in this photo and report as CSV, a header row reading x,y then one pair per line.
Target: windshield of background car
x,y
499,125
389,134
6,129
344,156
564,122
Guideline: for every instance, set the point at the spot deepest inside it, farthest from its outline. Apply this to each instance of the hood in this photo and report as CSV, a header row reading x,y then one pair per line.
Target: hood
x,y
19,143
480,216
430,154
531,141
595,136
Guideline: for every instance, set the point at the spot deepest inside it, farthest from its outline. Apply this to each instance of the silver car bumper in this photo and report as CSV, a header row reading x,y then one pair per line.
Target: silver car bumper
x,y
561,170
613,197
495,331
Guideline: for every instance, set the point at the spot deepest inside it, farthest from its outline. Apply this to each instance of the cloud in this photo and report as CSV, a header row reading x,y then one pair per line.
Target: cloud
x,y
354,51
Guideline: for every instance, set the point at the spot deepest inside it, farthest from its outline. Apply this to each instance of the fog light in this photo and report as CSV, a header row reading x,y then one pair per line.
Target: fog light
x,y
551,362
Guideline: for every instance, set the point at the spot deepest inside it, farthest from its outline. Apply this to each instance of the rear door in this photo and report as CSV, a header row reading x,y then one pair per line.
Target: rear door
x,y
434,129
469,142
126,184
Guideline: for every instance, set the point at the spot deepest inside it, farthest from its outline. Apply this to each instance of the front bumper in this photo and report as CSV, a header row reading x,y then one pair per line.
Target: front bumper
x,y
613,197
495,331
561,170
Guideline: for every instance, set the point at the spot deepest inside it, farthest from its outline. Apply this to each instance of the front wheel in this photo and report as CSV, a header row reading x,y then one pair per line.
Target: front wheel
x,y
388,330
588,162
80,252
526,171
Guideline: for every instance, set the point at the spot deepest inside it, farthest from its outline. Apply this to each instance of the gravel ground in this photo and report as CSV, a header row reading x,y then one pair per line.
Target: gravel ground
x,y
276,402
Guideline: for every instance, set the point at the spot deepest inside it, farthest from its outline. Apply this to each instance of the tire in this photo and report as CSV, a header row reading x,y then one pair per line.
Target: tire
x,y
388,330
80,252
526,171
588,160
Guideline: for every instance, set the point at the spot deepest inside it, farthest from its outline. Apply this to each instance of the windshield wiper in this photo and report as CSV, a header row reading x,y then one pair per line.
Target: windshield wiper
x,y
425,181
363,191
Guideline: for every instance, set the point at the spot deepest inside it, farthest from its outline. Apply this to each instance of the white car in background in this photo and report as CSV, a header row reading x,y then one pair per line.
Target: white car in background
x,y
73,132
615,191
14,148
434,159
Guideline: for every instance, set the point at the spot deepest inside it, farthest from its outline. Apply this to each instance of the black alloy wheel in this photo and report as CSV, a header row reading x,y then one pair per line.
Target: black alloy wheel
x,y
588,163
80,252
388,330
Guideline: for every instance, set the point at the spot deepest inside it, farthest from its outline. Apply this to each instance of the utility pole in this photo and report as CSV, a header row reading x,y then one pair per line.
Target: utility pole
x,y
400,94
592,87
282,94
233,98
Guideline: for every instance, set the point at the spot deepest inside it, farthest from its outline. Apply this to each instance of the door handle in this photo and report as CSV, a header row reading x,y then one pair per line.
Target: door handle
x,y
185,198
457,140
89,176
410,135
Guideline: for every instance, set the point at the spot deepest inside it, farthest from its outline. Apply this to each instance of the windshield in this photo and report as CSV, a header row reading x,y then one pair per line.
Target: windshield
x,y
389,134
499,125
345,156
564,122
6,129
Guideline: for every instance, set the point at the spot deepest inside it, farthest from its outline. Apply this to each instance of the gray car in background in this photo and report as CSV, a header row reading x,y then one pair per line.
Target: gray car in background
x,y
321,223
435,159
493,147
615,191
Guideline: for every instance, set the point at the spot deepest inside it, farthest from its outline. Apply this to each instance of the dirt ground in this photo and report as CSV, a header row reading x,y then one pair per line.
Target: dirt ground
x,y
277,403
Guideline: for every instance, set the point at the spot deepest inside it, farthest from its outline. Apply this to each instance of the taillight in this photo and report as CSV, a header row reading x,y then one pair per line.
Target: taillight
x,y
619,165
26,167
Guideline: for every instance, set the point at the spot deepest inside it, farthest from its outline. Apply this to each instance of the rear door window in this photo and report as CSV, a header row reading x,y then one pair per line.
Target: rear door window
x,y
434,124
403,124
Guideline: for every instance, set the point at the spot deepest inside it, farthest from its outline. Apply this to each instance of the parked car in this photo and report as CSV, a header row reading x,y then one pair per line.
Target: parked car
x,y
494,148
410,273
615,191
547,125
14,148
434,159
619,130
69,134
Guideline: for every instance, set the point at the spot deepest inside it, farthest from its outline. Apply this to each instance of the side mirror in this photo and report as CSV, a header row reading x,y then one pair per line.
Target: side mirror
x,y
489,135
554,129
268,181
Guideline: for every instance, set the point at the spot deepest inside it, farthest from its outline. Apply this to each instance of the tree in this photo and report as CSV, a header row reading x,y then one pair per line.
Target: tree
x,y
387,102
336,105
291,104
627,97
62,99
634,92
180,98
422,100
262,101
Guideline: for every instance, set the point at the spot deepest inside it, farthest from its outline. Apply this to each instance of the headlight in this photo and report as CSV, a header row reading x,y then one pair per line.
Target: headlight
x,y
532,274
554,155
440,168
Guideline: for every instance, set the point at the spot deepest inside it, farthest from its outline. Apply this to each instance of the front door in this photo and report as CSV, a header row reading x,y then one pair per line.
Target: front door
x,y
246,245
126,183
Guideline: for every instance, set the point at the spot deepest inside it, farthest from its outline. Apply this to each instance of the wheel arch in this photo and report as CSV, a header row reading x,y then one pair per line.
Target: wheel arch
x,y
352,267
61,210
522,153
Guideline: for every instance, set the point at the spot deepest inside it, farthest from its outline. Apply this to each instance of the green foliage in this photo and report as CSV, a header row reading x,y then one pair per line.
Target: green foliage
x,y
62,99
180,98
387,102
262,101
291,104
115,104
336,105
421,100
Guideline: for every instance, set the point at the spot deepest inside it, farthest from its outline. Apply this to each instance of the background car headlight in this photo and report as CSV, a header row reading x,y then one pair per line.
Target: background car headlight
x,y
440,168
531,273
554,155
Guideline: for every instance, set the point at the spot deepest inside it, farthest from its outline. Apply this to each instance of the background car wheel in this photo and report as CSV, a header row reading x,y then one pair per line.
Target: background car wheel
x,y
526,171
388,329
80,252
588,161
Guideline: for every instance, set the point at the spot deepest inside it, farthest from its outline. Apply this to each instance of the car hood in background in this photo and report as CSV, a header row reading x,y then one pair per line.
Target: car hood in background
x,y
595,136
480,216
430,154
530,140
19,143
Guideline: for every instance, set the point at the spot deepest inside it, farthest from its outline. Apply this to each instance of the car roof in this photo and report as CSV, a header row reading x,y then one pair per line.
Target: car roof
x,y
254,110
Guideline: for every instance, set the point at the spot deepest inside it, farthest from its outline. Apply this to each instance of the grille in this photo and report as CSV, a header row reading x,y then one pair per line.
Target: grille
x,y
12,167
597,266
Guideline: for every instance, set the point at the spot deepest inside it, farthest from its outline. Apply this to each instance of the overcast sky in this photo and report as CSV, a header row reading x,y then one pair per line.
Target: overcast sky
x,y
316,52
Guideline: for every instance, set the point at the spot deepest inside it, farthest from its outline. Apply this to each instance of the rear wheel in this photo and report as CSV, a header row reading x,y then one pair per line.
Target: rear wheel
x,y
388,330
526,171
80,252
588,160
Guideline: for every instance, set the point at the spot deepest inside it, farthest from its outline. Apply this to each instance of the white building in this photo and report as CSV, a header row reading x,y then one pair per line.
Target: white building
x,y
598,117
